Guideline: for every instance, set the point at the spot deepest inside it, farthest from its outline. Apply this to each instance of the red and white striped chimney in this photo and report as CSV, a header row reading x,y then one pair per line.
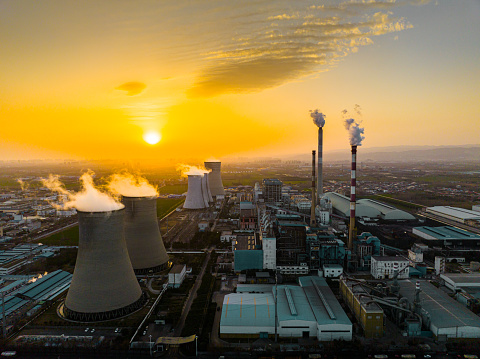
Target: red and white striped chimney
x,y
353,186
313,222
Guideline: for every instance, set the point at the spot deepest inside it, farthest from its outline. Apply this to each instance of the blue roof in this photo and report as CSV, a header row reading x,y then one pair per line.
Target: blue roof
x,y
248,259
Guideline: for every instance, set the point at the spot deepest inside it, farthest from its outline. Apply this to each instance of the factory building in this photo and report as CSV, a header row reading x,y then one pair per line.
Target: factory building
x,y
443,315
248,215
447,236
385,267
308,310
177,275
460,215
272,190
458,281
367,312
367,208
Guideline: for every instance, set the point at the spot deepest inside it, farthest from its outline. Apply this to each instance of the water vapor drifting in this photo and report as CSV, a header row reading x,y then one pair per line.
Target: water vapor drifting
x,y
129,185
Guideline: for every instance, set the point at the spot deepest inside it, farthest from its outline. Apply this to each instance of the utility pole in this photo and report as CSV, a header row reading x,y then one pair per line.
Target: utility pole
x,y
276,301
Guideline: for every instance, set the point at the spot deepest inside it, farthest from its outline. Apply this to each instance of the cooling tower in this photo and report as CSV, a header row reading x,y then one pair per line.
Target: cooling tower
x,y
204,189
207,176
104,285
144,241
215,178
194,198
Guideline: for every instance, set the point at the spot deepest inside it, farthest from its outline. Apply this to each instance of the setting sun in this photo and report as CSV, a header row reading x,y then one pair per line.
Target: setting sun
x,y
152,137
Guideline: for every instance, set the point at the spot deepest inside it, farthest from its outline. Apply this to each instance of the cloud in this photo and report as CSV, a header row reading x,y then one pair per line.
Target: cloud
x,y
290,46
132,88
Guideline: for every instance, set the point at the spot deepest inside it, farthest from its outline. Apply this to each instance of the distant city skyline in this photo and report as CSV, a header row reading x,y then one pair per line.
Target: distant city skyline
x,y
124,80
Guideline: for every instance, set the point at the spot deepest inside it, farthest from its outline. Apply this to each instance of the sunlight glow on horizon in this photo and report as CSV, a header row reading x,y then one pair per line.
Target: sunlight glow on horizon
x,y
152,137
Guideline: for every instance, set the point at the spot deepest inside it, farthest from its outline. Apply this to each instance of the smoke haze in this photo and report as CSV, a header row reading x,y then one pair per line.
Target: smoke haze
x,y
23,185
187,170
129,185
318,118
89,199
355,132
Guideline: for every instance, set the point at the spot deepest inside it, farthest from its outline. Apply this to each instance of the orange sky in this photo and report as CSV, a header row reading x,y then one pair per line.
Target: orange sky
x,y
215,78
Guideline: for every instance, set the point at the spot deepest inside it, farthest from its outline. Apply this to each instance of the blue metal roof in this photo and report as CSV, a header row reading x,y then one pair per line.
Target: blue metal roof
x,y
248,259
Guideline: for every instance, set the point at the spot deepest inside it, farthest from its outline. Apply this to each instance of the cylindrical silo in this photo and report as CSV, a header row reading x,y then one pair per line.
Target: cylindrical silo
x,y
204,189
215,178
194,199
104,285
144,241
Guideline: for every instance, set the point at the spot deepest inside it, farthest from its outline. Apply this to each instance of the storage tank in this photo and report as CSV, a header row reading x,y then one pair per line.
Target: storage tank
x,y
104,285
215,178
144,242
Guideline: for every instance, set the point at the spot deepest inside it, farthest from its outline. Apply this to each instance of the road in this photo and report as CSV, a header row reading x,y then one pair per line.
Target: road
x,y
181,322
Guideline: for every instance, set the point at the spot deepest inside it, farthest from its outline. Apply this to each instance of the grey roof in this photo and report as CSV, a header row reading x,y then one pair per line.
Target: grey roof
x,y
447,233
460,213
388,212
177,269
342,205
463,278
444,311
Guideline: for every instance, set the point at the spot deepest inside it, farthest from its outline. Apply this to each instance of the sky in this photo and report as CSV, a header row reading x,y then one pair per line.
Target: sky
x,y
101,79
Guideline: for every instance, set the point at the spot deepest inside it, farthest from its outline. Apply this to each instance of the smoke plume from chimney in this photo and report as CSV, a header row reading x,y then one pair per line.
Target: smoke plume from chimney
x,y
355,132
129,185
318,118
23,185
89,199
186,170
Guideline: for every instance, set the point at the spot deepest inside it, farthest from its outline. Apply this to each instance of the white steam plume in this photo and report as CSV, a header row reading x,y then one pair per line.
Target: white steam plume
x,y
318,118
89,199
355,132
23,184
129,185
186,170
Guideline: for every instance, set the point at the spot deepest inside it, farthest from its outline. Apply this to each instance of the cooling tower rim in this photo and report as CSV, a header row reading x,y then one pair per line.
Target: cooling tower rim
x,y
196,175
102,213
139,197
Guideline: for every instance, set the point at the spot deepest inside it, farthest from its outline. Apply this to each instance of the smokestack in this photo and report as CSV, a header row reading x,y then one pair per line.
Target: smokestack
x,y
320,164
104,285
313,222
144,242
351,231
194,198
215,179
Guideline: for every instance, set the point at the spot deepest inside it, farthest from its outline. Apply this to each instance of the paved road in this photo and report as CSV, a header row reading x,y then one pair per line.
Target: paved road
x,y
181,322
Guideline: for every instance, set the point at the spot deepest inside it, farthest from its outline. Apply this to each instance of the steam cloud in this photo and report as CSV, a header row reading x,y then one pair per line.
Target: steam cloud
x,y
89,199
355,132
128,185
23,185
186,170
132,88
318,118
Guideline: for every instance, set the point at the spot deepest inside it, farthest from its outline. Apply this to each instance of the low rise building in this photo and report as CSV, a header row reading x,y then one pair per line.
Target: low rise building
x,y
177,275
385,266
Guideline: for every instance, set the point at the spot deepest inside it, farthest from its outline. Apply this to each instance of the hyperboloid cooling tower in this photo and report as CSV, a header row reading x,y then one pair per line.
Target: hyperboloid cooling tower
x,y
215,178
195,199
205,189
207,178
104,285
144,241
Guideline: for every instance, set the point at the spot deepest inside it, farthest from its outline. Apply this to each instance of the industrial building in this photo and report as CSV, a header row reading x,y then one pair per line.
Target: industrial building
x,y
447,236
177,275
458,281
443,315
367,208
104,285
215,178
386,266
367,312
272,190
460,215
308,310
144,242
45,288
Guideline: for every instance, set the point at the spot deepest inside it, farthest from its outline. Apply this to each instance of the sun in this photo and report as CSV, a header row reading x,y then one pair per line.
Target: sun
x,y
152,137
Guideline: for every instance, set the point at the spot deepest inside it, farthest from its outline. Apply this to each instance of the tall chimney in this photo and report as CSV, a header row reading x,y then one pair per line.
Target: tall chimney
x,y
351,231
313,222
320,164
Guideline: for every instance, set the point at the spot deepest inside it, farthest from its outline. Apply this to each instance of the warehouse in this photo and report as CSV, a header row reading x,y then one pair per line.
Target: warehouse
x,y
444,316
447,236
389,213
460,215
308,310
458,281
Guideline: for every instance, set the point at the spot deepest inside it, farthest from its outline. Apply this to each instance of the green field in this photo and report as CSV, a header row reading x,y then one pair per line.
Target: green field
x,y
173,189
166,205
69,236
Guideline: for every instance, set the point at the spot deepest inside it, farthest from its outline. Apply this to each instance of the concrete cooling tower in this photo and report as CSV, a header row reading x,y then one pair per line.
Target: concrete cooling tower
x,y
195,199
104,285
205,190
144,241
215,178
207,176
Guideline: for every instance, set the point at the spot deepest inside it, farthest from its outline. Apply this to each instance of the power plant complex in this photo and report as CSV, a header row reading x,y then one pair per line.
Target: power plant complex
x,y
215,178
